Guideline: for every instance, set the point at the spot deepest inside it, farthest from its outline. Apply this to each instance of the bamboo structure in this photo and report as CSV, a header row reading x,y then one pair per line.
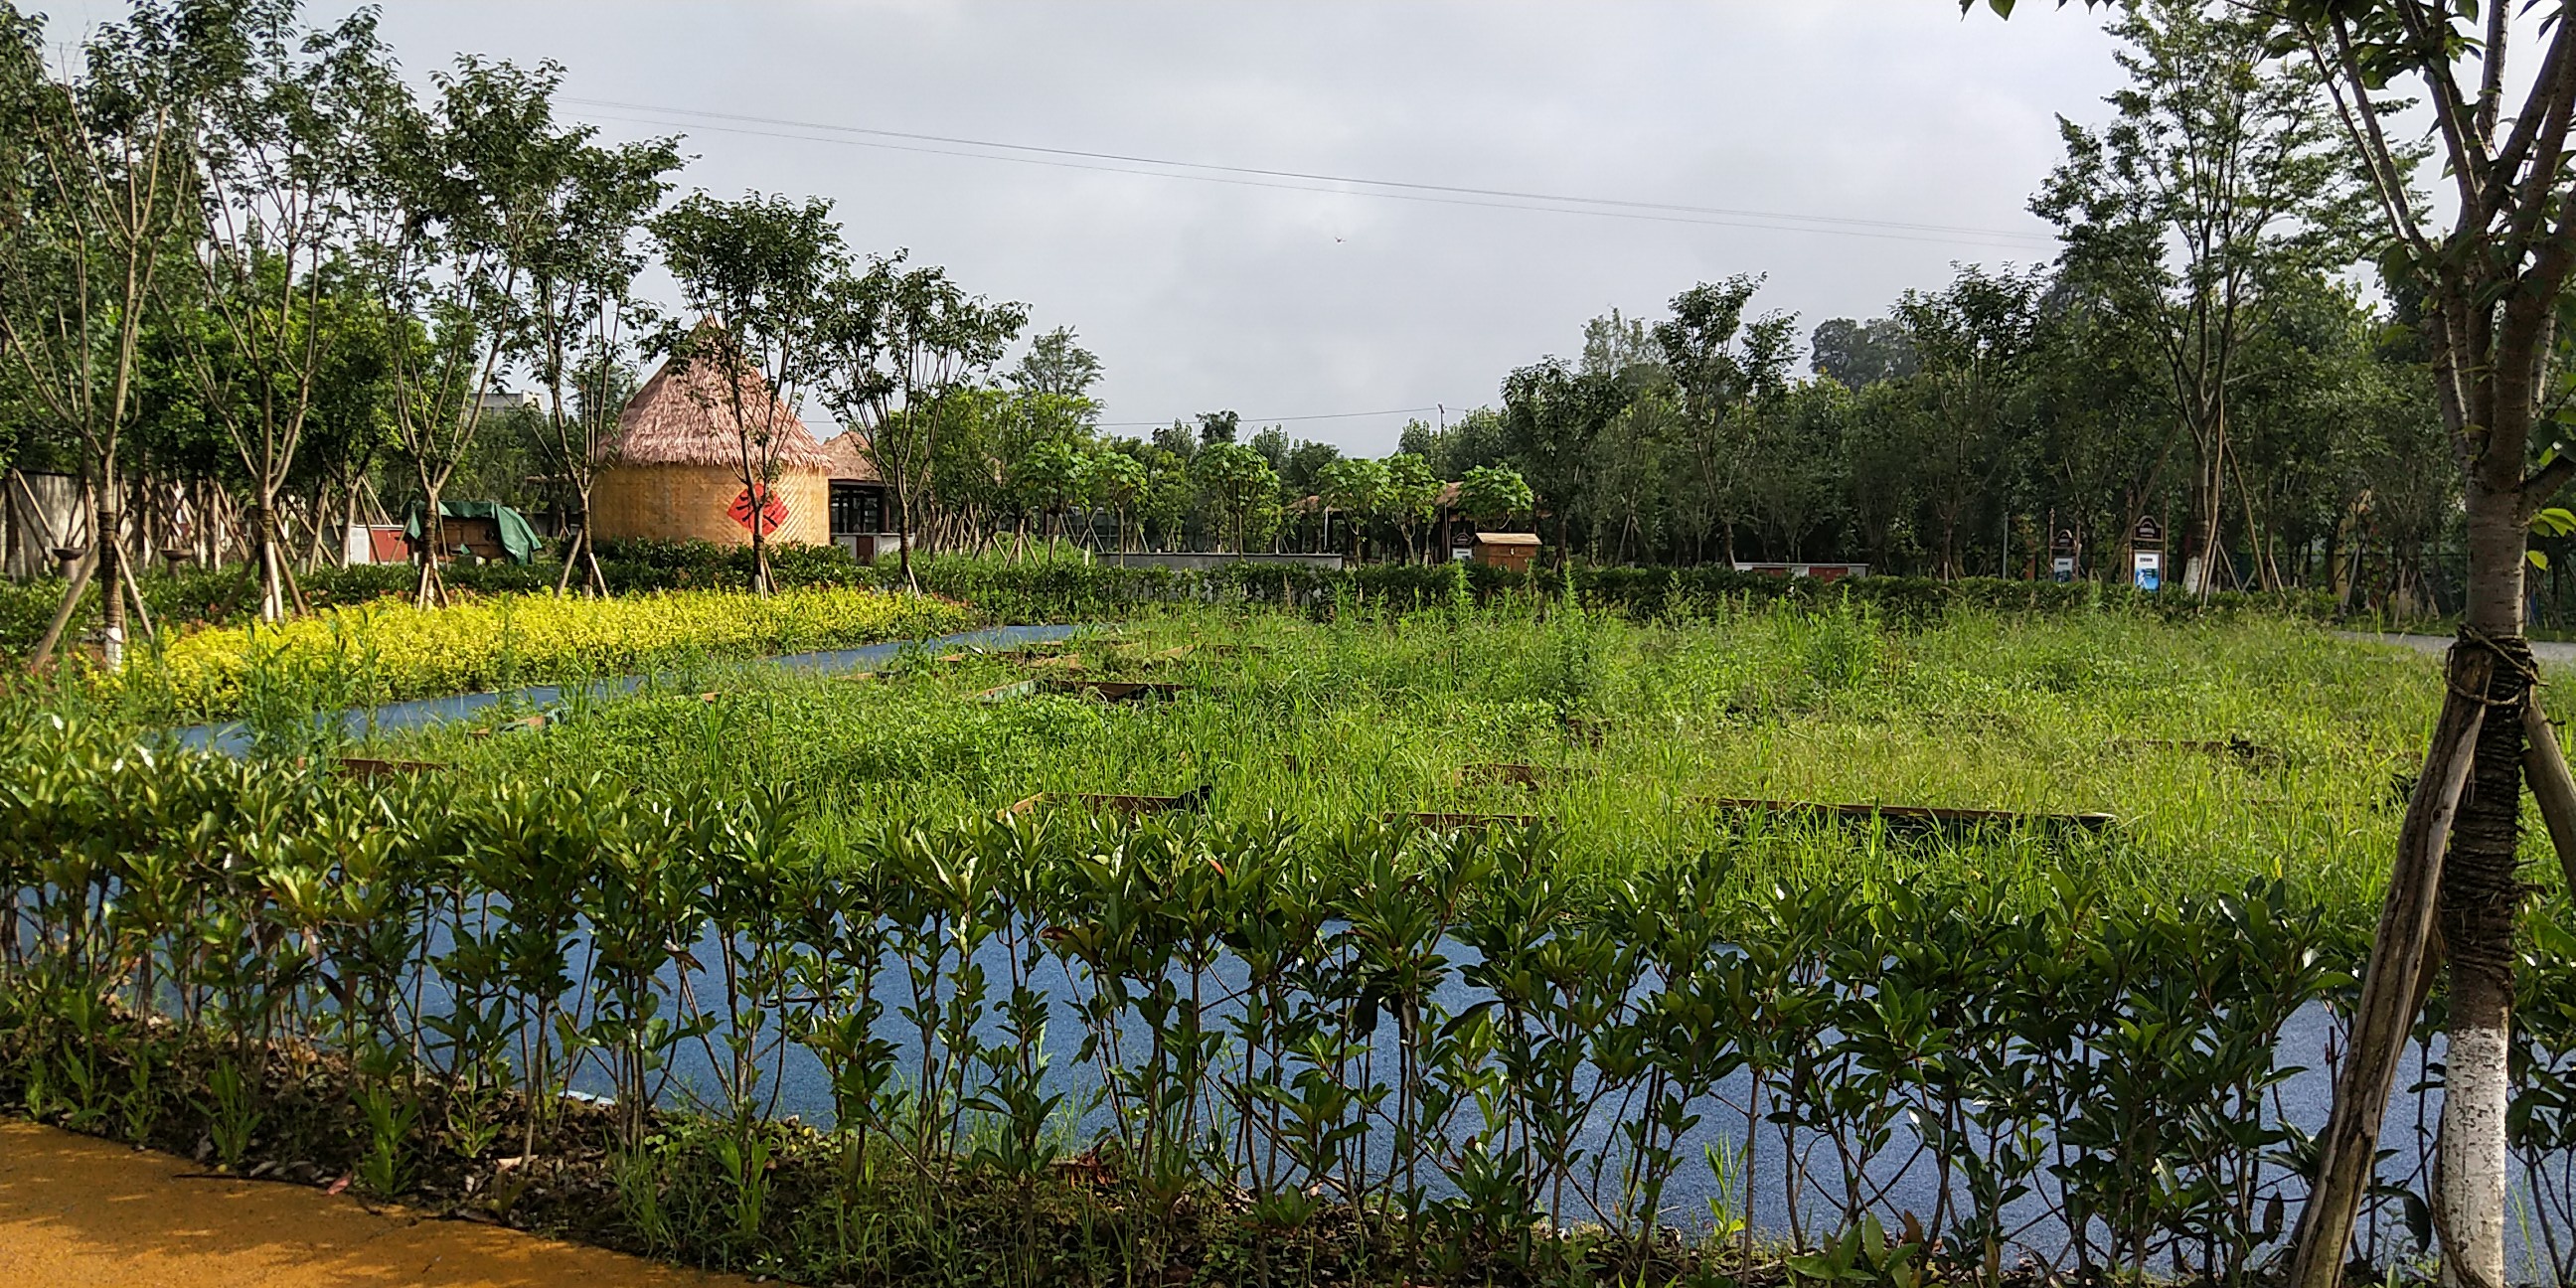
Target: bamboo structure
x,y
675,471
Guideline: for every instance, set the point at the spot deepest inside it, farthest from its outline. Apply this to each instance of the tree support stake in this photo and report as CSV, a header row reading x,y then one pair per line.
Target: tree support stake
x,y
2347,1149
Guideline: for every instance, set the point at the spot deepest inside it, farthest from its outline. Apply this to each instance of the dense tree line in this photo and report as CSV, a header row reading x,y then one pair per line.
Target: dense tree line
x,y
2213,350
258,288
254,288
1956,434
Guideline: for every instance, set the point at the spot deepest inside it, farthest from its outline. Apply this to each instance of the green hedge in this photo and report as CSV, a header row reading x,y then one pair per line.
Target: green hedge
x,y
1070,590
1434,1058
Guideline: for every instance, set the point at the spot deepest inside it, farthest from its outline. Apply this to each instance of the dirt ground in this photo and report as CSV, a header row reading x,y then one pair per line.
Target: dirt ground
x,y
77,1212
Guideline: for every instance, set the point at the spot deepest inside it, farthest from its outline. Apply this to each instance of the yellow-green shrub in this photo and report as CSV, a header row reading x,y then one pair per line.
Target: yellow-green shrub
x,y
383,652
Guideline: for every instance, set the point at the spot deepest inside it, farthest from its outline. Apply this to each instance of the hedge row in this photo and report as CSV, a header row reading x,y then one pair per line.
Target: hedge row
x,y
1068,590
1171,1048
229,596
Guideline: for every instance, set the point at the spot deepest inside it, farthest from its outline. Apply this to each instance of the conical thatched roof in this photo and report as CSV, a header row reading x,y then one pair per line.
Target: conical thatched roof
x,y
848,453
684,416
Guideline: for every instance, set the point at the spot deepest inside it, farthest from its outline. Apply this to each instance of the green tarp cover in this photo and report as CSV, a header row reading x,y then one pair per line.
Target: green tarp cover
x,y
518,540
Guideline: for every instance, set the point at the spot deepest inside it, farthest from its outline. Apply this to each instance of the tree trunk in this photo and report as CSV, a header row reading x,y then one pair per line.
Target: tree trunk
x,y
2479,897
433,543
263,544
903,531
111,590
2347,1149
107,524
2480,891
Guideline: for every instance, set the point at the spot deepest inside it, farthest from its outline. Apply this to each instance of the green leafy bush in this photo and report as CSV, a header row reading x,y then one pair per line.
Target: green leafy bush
x,y
1292,1028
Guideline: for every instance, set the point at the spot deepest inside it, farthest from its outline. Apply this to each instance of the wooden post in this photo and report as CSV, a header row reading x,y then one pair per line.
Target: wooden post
x,y
77,583
2544,768
2348,1148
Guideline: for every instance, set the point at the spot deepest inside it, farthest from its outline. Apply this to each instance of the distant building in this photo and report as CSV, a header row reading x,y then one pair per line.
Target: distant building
x,y
493,402
675,472
1509,551
862,513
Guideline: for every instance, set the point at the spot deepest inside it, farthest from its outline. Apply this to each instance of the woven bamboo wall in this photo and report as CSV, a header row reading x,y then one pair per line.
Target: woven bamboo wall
x,y
679,502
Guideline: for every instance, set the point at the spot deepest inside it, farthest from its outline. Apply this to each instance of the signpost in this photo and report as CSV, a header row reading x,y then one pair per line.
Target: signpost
x,y
2061,555
2147,554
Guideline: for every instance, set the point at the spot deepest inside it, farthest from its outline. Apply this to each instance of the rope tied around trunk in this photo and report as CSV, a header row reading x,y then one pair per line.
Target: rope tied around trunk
x,y
2481,890
2513,657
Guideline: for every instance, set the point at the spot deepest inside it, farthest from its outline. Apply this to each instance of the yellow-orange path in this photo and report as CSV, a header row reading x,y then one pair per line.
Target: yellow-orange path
x,y
77,1213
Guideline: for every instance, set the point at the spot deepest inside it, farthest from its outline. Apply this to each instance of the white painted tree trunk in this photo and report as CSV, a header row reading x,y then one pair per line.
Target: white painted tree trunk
x,y
272,595
2470,1171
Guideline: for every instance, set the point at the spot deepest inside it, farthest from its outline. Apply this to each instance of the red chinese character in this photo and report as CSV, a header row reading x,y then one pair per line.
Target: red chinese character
x,y
772,512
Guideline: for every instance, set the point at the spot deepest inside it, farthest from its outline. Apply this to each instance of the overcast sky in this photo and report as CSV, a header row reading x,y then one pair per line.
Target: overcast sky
x,y
1273,298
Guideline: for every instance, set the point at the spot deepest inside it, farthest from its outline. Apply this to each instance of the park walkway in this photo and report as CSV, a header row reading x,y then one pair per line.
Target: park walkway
x,y
2556,653
76,1212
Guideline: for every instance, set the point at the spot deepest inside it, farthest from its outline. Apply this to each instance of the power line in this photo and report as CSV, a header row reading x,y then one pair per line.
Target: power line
x,y
1299,181
1300,174
1273,420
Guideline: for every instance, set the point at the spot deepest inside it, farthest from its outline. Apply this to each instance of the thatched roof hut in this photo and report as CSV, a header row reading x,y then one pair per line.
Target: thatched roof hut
x,y
684,415
847,459
674,472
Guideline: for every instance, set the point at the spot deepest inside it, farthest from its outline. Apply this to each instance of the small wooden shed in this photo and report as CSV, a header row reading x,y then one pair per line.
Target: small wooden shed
x,y
675,470
1510,551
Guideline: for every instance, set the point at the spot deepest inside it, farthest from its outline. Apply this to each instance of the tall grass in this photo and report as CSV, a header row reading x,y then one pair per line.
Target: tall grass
x,y
1632,728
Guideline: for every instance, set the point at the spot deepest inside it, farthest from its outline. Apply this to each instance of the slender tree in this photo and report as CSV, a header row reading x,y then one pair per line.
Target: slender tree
x,y
1048,478
895,344
2223,171
1554,417
758,269
1412,496
1723,364
1357,487
1969,341
1238,483
95,192
287,124
1115,479
1166,498
467,195
577,314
